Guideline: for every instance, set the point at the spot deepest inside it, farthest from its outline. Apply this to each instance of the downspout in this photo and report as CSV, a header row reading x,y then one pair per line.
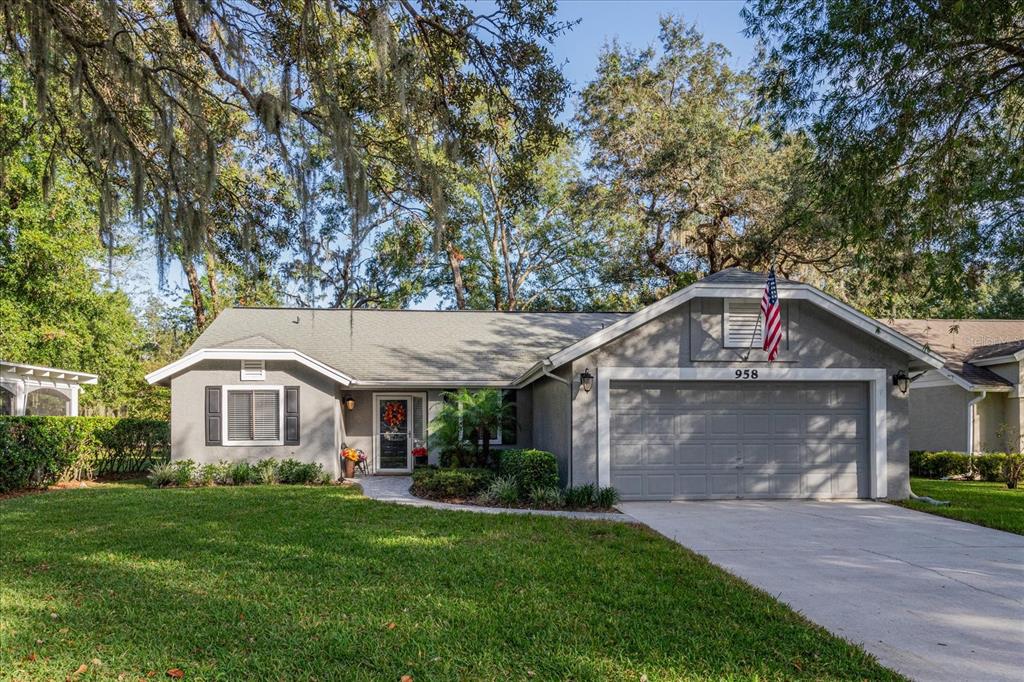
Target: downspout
x,y
971,413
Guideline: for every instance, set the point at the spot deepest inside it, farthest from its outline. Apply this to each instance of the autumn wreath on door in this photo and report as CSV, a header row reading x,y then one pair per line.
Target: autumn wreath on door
x,y
394,414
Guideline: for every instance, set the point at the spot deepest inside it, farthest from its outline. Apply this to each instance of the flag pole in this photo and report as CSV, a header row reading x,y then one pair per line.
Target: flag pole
x,y
753,335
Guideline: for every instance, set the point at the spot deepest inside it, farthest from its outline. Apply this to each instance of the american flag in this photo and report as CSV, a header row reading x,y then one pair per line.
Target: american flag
x,y
771,333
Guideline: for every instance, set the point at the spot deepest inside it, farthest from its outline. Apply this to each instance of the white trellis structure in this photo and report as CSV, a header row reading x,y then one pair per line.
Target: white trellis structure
x,y
32,389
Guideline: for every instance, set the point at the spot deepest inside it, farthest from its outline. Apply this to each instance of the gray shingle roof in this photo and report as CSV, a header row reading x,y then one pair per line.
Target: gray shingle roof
x,y
743,276
407,345
964,340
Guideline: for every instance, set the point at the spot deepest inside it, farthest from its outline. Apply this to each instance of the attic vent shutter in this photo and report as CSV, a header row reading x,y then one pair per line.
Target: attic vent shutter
x,y
742,323
291,415
253,370
213,415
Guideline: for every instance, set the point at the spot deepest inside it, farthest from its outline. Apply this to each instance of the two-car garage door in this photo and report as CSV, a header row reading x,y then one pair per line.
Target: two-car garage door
x,y
696,440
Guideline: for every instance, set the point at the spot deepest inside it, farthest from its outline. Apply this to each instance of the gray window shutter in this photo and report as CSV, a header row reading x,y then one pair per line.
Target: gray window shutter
x,y
213,415
291,415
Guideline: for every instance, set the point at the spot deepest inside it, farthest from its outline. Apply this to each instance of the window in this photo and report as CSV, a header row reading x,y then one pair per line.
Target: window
x,y
510,425
253,416
6,401
47,402
253,370
742,323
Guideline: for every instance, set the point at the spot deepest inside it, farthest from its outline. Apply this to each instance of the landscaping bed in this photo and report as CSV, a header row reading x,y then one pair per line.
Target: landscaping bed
x,y
981,502
300,582
524,479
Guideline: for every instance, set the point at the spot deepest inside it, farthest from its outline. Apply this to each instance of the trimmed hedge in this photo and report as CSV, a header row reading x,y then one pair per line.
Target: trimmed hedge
x,y
447,483
529,468
940,464
944,464
39,451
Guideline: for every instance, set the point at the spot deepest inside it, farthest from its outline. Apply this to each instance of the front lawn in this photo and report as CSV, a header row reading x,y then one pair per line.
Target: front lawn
x,y
290,582
986,504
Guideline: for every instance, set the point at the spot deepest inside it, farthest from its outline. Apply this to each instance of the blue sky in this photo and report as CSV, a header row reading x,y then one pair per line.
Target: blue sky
x,y
635,23
632,22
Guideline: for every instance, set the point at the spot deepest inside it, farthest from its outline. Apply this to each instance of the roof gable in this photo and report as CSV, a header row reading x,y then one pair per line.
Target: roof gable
x,y
737,283
410,347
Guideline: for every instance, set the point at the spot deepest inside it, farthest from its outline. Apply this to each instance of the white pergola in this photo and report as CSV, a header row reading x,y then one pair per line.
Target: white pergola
x,y
18,382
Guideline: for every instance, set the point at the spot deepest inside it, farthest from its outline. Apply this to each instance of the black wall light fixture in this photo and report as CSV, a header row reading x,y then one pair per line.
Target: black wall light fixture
x,y
586,380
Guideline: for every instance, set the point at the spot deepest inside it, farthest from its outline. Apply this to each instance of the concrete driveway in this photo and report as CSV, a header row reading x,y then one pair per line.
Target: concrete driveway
x,y
932,598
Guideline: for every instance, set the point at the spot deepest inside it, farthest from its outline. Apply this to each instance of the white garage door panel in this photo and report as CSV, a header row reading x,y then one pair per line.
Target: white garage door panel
x,y
693,440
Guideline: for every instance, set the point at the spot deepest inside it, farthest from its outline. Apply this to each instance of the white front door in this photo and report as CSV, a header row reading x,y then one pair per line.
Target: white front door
x,y
393,433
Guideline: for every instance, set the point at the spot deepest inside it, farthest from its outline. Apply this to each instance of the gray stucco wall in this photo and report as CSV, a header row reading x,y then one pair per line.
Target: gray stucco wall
x,y
1012,423
814,339
317,406
357,424
551,420
938,418
992,429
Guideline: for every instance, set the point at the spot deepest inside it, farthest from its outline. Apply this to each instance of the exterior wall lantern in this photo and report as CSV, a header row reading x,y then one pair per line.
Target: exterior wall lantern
x,y
902,380
349,402
586,380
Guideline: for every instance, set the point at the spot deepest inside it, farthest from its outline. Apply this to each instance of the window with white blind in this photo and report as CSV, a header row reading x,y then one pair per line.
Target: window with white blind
x,y
253,370
253,416
742,323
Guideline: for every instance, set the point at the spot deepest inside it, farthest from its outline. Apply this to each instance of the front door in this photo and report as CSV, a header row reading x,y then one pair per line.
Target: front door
x,y
394,440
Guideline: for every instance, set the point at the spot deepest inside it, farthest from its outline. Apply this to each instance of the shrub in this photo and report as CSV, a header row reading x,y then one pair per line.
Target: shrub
x,y
529,468
240,473
208,474
606,498
580,496
446,483
294,471
265,471
163,475
990,466
548,497
940,464
39,451
185,471
457,458
503,490
1013,469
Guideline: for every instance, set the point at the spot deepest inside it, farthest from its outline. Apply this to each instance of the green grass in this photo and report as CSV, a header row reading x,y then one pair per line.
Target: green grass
x,y
986,504
321,583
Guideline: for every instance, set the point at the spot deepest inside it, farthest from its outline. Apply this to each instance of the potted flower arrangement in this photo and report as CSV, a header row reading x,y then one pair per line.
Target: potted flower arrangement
x,y
420,453
349,457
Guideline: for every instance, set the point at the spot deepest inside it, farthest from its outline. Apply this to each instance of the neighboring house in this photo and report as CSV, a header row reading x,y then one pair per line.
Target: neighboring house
x,y
974,402
679,407
35,390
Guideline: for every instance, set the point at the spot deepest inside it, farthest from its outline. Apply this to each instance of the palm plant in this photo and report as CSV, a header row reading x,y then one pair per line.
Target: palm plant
x,y
468,419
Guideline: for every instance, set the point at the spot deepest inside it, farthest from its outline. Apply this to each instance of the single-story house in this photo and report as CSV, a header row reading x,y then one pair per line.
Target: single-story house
x,y
37,390
670,402
973,403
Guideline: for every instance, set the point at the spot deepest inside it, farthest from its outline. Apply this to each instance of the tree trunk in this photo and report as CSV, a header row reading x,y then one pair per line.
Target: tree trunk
x,y
712,249
455,262
198,304
211,279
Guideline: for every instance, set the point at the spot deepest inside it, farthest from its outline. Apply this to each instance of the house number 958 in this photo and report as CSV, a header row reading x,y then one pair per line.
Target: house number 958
x,y
746,374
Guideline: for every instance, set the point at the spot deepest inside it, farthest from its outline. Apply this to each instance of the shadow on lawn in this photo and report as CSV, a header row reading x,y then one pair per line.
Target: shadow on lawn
x,y
301,582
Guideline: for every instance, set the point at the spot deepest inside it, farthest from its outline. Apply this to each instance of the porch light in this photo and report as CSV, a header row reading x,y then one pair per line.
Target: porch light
x,y
902,380
586,380
349,402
